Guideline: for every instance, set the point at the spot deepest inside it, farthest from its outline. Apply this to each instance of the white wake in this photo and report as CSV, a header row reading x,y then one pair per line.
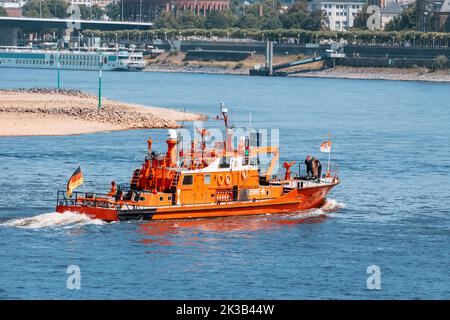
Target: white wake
x,y
332,205
52,220
326,209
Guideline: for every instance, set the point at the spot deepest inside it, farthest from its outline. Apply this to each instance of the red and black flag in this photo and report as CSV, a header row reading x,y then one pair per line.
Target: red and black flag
x,y
75,181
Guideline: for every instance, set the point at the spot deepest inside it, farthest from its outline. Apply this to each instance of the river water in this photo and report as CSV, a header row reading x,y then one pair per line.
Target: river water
x,y
392,145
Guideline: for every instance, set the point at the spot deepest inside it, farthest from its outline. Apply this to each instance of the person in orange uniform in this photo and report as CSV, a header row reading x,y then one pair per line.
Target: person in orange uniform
x,y
287,166
113,191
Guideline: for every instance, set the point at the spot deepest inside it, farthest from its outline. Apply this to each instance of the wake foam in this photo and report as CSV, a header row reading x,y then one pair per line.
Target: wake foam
x,y
332,205
328,207
52,220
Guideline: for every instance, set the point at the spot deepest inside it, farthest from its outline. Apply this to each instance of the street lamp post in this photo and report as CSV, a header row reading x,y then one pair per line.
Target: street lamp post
x,y
59,72
100,82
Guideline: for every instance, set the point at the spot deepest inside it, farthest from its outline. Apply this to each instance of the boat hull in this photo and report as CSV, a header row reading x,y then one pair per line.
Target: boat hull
x,y
296,200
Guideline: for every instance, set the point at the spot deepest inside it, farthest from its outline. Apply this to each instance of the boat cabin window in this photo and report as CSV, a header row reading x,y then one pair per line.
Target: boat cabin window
x,y
207,179
224,162
187,180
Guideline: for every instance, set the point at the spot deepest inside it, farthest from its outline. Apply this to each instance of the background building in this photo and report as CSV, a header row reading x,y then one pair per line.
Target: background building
x,y
80,2
432,16
145,10
101,3
12,7
341,13
389,11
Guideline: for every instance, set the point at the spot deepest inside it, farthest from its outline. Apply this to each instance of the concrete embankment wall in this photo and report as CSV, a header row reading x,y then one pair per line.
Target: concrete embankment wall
x,y
397,57
396,52
356,55
385,62
256,47
217,55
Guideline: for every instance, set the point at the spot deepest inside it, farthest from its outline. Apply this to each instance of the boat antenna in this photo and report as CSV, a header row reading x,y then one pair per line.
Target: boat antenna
x,y
329,153
224,112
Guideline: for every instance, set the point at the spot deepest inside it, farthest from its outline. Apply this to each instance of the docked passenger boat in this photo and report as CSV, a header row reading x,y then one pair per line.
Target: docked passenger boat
x,y
109,60
224,181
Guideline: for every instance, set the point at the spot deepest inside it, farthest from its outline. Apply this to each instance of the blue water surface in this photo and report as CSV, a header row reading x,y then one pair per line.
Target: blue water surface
x,y
392,145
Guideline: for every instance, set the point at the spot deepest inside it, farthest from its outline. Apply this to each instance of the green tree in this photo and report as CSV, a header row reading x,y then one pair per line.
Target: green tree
x,y
85,12
34,8
220,19
296,18
440,62
406,21
360,21
271,23
97,12
57,8
2,12
90,13
188,20
166,20
112,10
248,21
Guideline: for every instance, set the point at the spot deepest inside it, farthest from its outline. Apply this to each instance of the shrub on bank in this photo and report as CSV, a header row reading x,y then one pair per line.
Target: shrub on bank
x,y
440,62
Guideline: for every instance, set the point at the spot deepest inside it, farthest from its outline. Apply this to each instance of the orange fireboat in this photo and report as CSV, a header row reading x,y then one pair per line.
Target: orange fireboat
x,y
204,183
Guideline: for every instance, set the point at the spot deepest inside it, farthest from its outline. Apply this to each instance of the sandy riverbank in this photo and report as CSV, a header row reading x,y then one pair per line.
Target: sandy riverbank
x,y
168,62
177,63
31,112
394,74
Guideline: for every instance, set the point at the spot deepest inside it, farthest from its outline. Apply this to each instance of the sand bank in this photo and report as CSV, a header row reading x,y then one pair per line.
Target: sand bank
x,y
394,74
30,112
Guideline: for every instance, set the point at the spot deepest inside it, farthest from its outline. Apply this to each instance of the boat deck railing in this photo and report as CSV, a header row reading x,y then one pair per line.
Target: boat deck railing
x,y
84,199
301,172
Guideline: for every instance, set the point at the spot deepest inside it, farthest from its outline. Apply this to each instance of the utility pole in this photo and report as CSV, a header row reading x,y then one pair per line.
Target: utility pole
x,y
59,72
100,83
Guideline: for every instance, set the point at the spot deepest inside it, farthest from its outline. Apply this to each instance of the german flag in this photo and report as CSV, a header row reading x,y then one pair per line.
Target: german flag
x,y
75,181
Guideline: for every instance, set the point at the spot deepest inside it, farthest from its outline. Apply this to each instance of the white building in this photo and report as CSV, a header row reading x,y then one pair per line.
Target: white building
x,y
89,3
12,7
341,13
102,3
392,9
80,2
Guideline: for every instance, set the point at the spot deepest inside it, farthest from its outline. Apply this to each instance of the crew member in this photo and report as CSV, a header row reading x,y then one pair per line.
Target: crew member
x,y
308,163
113,189
317,168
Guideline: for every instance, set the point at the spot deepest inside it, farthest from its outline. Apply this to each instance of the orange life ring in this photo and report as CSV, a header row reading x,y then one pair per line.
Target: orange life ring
x,y
228,179
220,180
244,174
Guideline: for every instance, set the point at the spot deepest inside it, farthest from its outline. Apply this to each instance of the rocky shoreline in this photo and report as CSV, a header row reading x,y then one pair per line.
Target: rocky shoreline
x,y
195,69
391,74
23,111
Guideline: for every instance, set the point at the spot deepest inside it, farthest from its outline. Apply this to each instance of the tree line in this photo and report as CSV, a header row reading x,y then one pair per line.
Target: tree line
x,y
263,15
58,9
